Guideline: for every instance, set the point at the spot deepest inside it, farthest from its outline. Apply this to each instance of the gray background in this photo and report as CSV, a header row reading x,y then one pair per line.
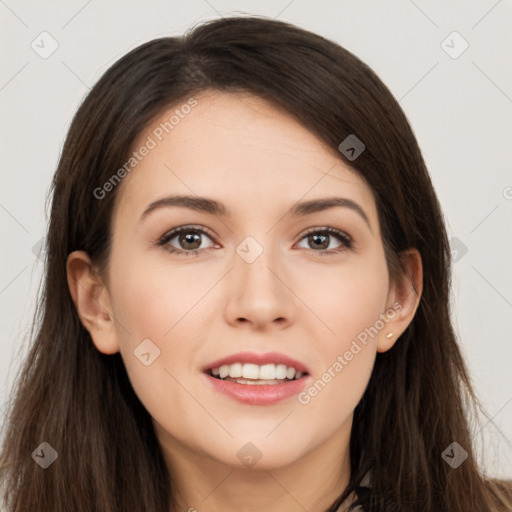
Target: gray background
x,y
460,107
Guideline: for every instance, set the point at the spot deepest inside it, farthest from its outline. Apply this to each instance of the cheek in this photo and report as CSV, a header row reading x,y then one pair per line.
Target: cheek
x,y
152,303
163,304
152,299
351,306
348,299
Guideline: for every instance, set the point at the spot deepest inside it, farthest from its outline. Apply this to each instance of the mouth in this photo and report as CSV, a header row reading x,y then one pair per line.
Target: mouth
x,y
254,374
257,379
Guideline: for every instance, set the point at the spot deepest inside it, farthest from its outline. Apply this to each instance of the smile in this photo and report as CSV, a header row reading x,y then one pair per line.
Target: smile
x,y
257,379
250,373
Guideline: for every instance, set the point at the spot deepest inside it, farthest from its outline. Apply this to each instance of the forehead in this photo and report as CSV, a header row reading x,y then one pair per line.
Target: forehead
x,y
241,150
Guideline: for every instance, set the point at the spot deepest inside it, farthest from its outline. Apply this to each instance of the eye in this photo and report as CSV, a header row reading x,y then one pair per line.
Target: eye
x,y
189,240
188,237
320,238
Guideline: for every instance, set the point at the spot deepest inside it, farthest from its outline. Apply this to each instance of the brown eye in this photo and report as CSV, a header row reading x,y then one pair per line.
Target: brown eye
x,y
319,240
188,240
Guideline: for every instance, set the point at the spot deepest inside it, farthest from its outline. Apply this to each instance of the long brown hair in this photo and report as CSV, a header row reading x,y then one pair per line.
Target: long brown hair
x,y
419,399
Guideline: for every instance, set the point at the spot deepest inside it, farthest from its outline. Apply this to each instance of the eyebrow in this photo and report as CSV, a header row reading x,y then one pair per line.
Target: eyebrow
x,y
213,207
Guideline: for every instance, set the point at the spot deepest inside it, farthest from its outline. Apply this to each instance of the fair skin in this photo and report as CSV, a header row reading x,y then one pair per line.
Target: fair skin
x,y
258,161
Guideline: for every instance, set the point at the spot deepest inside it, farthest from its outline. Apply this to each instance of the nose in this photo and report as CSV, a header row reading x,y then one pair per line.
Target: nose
x,y
258,293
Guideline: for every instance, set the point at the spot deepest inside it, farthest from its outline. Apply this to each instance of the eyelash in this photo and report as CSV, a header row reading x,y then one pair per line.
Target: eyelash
x,y
347,242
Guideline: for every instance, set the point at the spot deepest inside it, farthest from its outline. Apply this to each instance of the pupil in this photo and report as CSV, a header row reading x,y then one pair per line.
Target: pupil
x,y
186,239
324,237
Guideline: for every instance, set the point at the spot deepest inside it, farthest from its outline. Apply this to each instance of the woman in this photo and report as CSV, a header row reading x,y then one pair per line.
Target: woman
x,y
246,295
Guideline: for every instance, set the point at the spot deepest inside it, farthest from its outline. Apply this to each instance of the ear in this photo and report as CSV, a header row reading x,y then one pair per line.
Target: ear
x,y
92,302
402,300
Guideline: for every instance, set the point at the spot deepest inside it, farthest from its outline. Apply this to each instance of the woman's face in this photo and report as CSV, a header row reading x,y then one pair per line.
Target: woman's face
x,y
268,288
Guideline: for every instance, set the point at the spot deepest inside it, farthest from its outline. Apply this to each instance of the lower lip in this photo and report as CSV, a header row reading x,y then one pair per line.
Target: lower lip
x,y
258,394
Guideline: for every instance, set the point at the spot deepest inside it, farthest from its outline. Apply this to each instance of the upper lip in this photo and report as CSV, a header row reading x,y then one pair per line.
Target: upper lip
x,y
259,359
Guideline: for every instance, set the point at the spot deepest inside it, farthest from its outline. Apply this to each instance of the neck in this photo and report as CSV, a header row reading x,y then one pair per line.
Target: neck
x,y
311,482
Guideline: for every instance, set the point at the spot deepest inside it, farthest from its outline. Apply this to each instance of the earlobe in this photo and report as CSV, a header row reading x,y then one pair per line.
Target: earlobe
x,y
92,302
403,299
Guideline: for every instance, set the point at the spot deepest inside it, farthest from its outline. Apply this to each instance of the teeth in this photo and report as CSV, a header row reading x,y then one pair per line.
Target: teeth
x,y
256,382
281,371
267,372
235,370
224,371
250,371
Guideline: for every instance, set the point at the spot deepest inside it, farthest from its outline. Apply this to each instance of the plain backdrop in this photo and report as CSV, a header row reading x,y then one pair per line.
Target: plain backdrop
x,y
457,99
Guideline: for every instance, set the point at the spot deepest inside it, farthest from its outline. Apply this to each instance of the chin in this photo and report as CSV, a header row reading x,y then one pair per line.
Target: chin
x,y
258,453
